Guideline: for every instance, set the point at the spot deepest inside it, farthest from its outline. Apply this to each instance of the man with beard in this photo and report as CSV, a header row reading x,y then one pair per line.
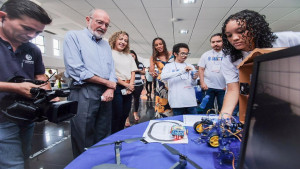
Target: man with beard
x,y
211,78
89,63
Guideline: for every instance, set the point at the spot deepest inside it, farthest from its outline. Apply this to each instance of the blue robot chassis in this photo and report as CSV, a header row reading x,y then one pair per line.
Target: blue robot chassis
x,y
221,135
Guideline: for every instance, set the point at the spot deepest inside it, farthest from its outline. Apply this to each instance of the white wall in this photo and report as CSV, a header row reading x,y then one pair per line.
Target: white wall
x,y
49,59
280,78
193,60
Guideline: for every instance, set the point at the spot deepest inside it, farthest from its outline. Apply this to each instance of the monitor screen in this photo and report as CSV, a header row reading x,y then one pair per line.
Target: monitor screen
x,y
271,135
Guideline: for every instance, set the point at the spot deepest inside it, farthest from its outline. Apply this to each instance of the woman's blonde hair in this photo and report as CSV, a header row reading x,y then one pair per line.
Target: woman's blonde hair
x,y
112,41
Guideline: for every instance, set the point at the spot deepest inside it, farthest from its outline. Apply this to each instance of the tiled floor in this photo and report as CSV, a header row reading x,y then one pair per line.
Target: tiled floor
x,y
51,147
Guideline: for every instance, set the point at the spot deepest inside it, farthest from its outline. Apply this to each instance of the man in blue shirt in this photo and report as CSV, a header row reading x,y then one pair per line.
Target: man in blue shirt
x,y
21,21
89,63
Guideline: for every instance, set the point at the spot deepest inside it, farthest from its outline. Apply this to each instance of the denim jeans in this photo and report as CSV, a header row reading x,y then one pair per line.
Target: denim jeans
x,y
148,87
219,94
15,144
184,110
136,97
121,106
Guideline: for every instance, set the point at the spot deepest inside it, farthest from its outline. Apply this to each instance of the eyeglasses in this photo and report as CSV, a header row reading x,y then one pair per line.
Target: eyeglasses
x,y
184,54
101,23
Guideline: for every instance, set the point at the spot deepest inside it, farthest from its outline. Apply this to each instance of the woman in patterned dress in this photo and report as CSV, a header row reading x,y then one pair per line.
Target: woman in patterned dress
x,y
160,57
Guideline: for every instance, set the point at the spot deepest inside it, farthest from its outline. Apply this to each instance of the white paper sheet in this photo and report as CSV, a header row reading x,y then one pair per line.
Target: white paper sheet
x,y
190,120
159,131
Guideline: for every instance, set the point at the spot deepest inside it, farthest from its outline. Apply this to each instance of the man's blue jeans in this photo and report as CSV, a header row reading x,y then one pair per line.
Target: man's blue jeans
x,y
184,110
219,94
15,144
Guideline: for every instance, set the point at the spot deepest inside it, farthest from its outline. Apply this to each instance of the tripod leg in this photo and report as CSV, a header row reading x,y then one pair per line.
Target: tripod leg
x,y
175,166
118,148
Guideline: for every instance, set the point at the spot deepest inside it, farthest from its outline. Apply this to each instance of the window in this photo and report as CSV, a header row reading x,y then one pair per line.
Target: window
x,y
56,47
39,41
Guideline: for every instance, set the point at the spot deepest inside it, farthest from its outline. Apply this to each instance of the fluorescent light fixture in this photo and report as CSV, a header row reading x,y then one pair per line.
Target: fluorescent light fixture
x,y
183,31
188,1
176,19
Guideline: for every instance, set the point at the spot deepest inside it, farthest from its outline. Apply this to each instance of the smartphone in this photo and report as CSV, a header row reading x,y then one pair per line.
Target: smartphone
x,y
124,92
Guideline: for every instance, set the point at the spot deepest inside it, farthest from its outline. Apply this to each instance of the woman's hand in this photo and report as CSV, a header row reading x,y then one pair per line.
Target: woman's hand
x,y
128,91
130,87
154,74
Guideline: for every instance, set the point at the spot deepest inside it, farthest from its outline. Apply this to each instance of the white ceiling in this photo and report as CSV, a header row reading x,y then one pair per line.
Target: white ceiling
x,y
146,19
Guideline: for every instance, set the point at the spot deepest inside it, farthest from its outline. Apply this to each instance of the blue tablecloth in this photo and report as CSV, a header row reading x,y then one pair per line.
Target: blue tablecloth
x,y
148,156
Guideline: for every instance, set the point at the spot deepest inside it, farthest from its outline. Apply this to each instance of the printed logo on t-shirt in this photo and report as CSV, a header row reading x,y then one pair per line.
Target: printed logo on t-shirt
x,y
215,58
28,59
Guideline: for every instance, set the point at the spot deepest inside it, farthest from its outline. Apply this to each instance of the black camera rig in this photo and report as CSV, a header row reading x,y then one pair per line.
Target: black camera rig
x,y
40,107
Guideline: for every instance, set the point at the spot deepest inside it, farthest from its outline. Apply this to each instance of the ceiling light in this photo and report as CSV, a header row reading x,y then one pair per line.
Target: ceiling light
x,y
188,1
176,19
183,31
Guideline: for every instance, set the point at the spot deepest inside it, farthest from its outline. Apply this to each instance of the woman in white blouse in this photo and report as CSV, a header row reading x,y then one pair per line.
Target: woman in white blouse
x,y
125,70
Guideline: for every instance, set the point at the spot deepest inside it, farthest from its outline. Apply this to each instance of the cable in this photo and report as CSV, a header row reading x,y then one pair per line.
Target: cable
x,y
233,158
215,110
234,134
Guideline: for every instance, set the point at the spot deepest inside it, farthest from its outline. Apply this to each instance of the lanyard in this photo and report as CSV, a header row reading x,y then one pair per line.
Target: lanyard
x,y
186,73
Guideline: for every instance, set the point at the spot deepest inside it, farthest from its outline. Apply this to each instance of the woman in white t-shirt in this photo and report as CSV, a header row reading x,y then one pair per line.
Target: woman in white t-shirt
x,y
125,70
241,33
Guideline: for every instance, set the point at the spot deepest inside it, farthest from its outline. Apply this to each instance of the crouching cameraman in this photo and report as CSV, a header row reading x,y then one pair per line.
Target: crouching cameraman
x,y
20,21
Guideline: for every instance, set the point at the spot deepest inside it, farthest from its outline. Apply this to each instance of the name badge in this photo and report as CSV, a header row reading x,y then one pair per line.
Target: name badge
x,y
216,68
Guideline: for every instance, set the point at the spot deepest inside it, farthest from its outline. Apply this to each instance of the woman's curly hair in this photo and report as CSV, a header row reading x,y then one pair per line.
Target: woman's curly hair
x,y
112,41
257,27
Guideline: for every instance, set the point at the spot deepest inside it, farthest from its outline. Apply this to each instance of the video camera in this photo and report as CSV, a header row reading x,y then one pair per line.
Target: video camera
x,y
40,107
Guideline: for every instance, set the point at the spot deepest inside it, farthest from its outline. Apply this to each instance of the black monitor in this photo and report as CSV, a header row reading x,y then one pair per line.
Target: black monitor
x,y
272,126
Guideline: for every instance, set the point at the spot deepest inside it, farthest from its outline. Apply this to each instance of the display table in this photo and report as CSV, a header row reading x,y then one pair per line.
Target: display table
x,y
148,156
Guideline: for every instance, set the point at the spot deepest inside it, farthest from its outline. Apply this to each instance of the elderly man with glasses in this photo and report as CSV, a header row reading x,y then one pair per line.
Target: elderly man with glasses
x,y
181,78
89,63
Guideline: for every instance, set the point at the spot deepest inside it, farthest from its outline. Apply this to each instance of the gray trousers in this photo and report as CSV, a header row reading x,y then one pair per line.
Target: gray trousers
x,y
93,120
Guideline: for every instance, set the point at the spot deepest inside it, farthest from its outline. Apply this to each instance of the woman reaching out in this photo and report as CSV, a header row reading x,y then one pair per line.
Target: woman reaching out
x,y
241,33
